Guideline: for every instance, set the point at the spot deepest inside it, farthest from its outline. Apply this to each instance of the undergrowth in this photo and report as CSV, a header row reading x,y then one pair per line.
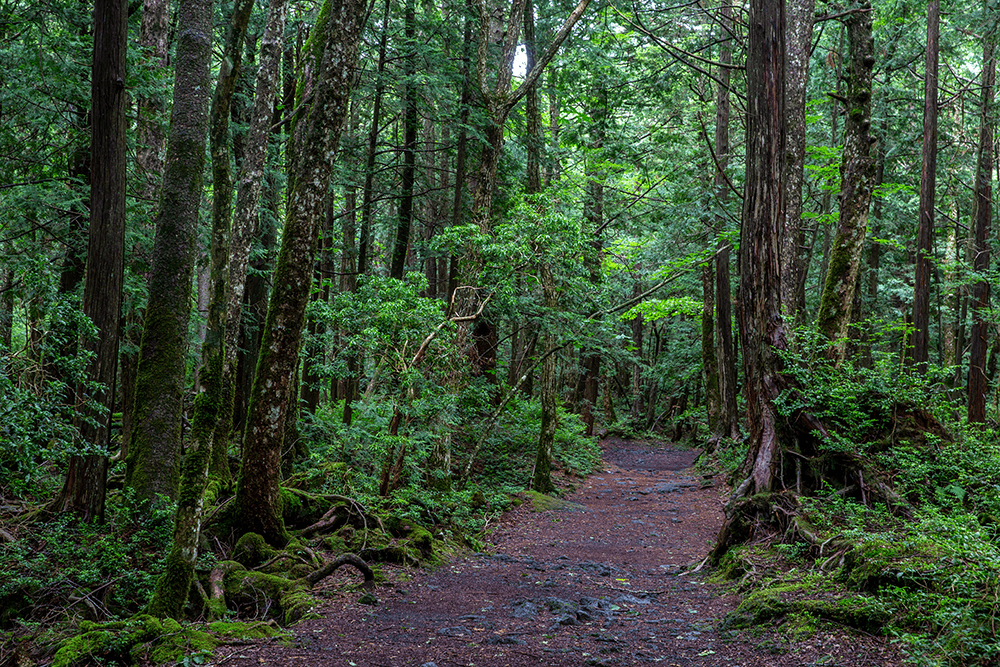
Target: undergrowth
x,y
927,570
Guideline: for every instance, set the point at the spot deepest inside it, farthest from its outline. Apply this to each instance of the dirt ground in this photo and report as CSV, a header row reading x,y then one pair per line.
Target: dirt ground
x,y
599,580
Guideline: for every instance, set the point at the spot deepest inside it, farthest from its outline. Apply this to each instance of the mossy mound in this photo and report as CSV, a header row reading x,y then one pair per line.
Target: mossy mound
x,y
262,595
142,638
543,503
812,597
145,639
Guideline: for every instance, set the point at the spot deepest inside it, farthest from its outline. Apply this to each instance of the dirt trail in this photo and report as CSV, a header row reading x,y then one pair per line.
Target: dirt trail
x,y
596,581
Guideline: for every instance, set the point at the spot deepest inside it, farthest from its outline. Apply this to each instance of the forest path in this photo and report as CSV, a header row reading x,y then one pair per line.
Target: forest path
x,y
596,581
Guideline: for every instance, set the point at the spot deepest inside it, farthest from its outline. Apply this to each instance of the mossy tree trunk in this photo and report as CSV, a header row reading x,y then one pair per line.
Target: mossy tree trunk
x,y
208,404
182,184
251,180
857,175
328,71
153,464
978,385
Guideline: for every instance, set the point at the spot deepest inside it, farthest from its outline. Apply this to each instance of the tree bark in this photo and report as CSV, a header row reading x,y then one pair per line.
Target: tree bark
x,y
153,464
928,176
405,221
981,261
84,489
325,84
542,479
793,260
857,171
729,420
251,181
762,330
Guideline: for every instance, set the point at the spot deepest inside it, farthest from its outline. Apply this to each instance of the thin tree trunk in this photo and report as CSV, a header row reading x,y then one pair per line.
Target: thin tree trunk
x,y
793,261
981,261
856,184
405,220
250,182
928,176
542,479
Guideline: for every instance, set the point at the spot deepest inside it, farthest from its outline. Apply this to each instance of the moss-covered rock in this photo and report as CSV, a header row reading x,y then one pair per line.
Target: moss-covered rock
x,y
541,502
142,638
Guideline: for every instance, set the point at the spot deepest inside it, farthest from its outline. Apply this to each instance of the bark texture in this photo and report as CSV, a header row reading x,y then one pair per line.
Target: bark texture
x,y
928,177
325,84
978,381
762,330
153,464
793,260
84,488
857,175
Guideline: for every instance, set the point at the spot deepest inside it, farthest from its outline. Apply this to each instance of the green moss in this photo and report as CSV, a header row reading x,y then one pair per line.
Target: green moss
x,y
228,630
803,602
335,544
251,550
543,503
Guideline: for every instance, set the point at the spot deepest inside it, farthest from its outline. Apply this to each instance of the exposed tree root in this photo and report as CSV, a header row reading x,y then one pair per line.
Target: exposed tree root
x,y
344,559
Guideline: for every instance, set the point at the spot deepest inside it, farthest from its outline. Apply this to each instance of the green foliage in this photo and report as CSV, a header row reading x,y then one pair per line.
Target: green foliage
x,y
114,565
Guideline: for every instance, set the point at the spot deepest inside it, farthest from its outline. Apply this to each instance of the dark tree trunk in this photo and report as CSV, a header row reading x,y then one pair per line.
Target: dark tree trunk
x,y
151,139
793,260
729,419
405,221
981,263
153,464
542,479
84,488
857,171
330,56
762,330
928,176
709,361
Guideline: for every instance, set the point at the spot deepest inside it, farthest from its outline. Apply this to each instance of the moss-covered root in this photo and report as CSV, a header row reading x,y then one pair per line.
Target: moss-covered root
x,y
346,559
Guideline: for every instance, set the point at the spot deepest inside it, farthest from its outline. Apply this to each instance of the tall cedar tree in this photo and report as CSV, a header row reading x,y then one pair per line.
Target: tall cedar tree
x,y
981,261
84,488
762,331
325,84
925,228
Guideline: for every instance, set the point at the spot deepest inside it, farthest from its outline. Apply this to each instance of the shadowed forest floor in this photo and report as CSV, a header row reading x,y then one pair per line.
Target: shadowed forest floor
x,y
598,579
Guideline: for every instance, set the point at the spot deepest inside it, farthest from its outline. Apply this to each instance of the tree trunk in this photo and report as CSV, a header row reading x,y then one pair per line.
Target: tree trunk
x,y
928,175
150,136
856,183
762,330
729,420
84,489
793,260
542,479
709,361
330,56
153,464
251,181
405,221
981,263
